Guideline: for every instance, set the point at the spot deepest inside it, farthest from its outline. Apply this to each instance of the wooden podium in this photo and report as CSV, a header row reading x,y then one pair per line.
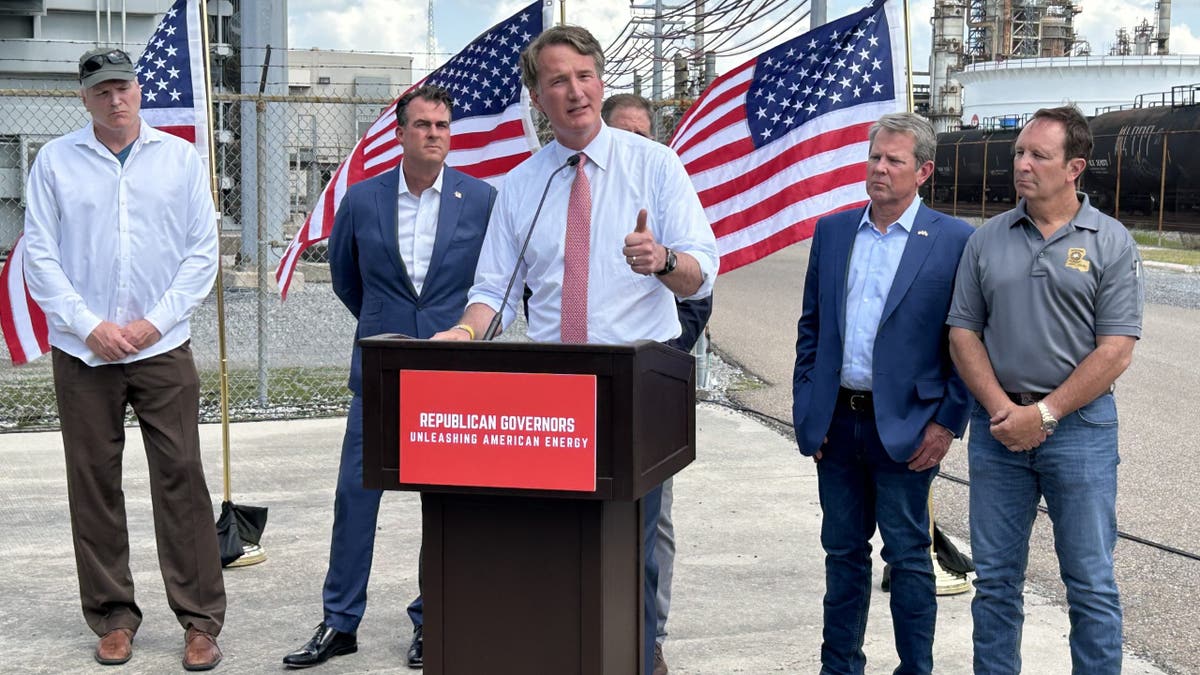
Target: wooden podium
x,y
529,579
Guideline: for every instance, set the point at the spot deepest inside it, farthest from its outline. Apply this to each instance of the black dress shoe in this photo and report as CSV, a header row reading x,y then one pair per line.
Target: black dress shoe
x,y
416,650
325,643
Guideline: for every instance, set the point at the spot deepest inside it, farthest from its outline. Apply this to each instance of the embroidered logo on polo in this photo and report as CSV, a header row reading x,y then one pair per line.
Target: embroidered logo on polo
x,y
1077,259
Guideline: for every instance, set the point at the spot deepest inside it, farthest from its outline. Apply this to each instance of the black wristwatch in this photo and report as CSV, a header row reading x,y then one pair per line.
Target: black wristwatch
x,y
671,262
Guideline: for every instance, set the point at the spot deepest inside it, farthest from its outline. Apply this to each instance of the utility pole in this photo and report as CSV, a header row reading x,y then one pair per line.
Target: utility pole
x,y
817,15
656,91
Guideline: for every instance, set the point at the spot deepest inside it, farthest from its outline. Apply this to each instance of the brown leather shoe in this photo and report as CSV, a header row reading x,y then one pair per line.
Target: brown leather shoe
x,y
200,651
660,664
115,648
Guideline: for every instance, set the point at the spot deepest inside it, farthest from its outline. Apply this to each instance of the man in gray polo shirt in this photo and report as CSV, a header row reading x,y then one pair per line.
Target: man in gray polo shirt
x,y
1047,308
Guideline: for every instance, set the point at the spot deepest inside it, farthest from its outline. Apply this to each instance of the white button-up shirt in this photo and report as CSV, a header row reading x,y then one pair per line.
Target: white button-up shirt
x,y
627,173
416,226
113,242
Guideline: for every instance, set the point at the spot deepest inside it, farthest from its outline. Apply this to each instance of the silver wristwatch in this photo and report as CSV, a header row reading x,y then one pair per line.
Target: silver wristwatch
x,y
1049,422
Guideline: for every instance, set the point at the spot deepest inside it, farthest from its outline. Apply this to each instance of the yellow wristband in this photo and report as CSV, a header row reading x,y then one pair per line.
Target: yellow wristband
x,y
470,331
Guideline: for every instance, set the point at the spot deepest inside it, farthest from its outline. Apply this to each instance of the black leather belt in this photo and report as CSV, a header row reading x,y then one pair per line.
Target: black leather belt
x,y
858,401
1024,397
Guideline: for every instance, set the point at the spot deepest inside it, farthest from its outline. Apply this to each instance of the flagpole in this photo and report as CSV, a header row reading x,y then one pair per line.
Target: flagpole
x,y
908,57
212,186
258,555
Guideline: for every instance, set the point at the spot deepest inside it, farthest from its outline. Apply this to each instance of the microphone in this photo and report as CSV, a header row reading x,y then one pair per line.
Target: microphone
x,y
494,326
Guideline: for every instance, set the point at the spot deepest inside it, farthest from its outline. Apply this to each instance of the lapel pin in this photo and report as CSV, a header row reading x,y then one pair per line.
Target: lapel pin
x,y
922,233
457,194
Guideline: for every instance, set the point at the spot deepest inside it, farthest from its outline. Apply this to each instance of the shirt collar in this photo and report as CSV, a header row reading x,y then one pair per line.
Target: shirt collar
x,y
905,221
146,134
598,152
1086,218
402,188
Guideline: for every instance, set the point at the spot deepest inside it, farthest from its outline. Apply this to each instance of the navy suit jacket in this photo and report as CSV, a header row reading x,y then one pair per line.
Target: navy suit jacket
x,y
369,276
913,378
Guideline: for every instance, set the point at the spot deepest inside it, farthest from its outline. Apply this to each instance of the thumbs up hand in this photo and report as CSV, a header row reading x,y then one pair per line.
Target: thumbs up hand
x,y
642,253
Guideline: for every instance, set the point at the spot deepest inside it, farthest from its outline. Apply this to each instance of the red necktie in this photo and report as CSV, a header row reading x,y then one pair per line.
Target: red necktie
x,y
573,328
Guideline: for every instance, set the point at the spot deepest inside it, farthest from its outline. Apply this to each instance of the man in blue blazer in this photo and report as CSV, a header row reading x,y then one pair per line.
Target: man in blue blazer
x,y
402,255
876,400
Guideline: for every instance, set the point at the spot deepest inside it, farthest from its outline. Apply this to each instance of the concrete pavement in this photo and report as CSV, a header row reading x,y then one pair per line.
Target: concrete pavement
x,y
748,579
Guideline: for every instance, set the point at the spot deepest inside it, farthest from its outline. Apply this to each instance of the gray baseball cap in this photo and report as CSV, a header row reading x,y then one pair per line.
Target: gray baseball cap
x,y
106,63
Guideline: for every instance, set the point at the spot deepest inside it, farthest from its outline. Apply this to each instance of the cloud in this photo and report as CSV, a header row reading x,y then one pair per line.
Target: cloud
x,y
391,26
365,25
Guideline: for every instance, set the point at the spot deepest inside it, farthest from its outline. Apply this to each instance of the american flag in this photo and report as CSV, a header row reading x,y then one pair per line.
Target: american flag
x,y
491,130
781,141
171,72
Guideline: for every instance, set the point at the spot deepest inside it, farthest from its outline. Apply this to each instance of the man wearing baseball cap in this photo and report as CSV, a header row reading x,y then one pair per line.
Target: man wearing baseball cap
x,y
121,244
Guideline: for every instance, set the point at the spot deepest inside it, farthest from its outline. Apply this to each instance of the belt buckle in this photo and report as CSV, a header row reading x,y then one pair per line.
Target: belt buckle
x,y
856,400
1028,398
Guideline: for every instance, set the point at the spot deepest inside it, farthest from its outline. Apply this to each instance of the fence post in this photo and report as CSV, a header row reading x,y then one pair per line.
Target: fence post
x,y
1162,186
983,198
1117,197
954,210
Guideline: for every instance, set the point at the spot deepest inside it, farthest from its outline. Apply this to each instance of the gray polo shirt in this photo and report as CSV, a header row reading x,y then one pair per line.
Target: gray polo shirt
x,y
1041,303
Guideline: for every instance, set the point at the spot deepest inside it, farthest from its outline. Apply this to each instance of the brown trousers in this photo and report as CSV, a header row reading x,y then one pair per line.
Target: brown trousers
x,y
164,392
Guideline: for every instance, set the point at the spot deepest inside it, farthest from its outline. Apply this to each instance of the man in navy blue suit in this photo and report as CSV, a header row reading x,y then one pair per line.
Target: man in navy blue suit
x,y
402,255
876,400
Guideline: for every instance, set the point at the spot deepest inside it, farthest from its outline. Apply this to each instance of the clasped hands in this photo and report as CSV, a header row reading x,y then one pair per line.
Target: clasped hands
x,y
113,343
1018,427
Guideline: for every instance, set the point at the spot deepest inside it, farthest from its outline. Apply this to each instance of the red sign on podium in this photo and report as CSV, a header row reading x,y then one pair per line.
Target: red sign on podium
x,y
507,430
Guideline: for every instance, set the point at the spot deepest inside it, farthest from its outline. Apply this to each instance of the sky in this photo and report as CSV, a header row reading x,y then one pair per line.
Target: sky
x,y
398,26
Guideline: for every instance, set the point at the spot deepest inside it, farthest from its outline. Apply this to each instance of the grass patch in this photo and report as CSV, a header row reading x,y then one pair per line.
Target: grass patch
x,y
1172,255
28,396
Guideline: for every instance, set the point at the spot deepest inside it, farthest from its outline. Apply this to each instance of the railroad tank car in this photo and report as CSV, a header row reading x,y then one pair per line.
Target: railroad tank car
x,y
972,154
1137,135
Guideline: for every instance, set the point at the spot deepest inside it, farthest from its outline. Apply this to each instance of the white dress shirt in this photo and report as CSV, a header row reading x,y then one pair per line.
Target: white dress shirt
x,y
416,226
627,173
107,242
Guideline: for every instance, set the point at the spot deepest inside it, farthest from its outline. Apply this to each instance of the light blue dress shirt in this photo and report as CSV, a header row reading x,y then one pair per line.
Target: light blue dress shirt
x,y
873,264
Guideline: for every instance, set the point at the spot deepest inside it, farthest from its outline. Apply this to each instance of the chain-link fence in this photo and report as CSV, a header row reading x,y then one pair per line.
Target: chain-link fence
x,y
284,358
1146,177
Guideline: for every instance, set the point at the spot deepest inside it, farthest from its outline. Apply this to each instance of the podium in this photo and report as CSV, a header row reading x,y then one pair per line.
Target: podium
x,y
532,460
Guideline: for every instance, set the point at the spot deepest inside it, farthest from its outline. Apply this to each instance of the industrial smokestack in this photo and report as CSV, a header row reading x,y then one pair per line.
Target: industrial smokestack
x,y
1163,36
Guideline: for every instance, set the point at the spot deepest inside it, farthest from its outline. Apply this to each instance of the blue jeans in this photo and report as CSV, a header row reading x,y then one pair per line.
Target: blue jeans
x,y
861,486
1076,471
651,505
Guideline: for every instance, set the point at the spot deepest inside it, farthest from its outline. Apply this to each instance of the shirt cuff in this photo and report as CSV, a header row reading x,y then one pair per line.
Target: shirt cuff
x,y
84,323
963,322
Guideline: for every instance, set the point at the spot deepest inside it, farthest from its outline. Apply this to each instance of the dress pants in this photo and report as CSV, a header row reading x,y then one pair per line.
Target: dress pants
x,y
352,545
164,392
